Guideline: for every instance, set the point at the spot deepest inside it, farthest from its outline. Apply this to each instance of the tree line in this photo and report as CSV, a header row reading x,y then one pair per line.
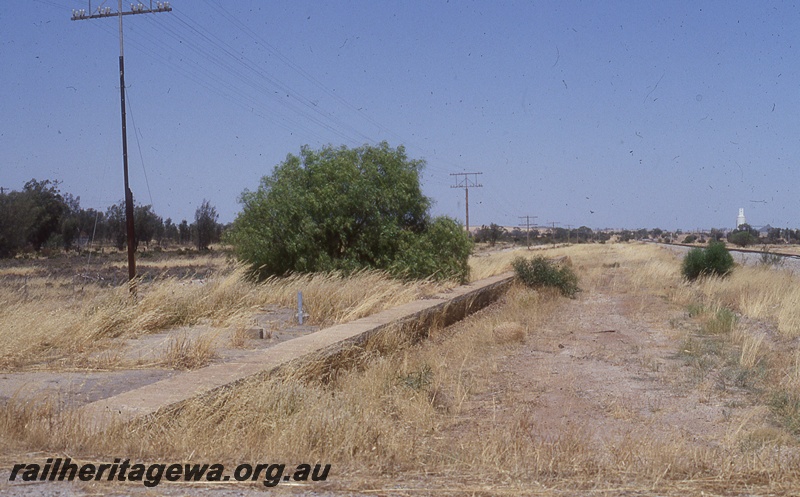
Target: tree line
x,y
742,236
42,217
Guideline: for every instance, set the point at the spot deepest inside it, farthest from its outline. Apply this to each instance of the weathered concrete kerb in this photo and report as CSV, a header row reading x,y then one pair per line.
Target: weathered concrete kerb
x,y
323,347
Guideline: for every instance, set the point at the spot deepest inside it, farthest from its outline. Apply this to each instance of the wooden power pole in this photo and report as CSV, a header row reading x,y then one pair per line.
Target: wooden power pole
x,y
465,183
528,229
100,12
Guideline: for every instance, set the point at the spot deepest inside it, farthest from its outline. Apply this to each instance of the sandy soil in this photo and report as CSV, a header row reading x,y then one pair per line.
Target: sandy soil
x,y
604,367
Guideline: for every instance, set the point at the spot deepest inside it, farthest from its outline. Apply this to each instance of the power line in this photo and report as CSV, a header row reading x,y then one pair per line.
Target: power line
x,y
245,82
136,134
465,184
239,88
310,77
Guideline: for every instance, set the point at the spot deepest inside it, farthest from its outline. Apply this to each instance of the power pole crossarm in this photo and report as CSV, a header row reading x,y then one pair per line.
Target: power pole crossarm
x,y
465,183
100,12
138,8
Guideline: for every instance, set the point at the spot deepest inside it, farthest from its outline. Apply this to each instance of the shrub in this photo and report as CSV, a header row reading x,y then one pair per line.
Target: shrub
x,y
743,237
540,272
712,260
768,258
342,209
441,251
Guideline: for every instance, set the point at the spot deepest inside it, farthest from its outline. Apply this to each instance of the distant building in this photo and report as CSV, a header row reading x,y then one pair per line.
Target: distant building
x,y
740,220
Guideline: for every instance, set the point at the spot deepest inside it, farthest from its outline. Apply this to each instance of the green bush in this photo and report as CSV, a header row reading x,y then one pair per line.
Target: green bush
x,y
742,239
441,251
343,209
712,260
540,272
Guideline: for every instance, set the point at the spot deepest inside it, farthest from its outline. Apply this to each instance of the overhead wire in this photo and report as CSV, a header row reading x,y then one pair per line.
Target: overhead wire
x,y
256,79
210,81
138,145
308,103
245,84
310,77
296,67
240,77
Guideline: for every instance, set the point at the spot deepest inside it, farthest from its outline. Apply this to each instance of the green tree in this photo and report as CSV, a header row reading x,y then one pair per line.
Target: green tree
x,y
343,209
92,224
147,224
16,218
743,236
171,233
48,208
774,235
205,220
184,232
115,224
490,234
70,226
584,234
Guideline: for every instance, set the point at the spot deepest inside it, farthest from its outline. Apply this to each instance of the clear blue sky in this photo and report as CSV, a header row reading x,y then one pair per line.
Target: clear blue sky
x,y
606,114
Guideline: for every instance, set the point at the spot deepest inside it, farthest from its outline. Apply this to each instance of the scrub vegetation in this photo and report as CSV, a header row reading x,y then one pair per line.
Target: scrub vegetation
x,y
714,260
342,209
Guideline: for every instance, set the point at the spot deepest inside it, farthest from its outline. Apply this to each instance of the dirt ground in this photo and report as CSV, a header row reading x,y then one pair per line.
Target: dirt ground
x,y
605,368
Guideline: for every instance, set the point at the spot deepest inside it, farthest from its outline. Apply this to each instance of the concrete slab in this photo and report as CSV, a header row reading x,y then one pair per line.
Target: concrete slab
x,y
414,317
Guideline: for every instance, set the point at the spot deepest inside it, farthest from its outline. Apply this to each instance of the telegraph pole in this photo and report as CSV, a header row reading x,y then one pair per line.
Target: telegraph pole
x,y
553,231
528,229
99,13
569,228
466,184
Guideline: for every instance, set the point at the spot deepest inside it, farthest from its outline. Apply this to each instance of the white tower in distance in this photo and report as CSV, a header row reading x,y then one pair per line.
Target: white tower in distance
x,y
740,220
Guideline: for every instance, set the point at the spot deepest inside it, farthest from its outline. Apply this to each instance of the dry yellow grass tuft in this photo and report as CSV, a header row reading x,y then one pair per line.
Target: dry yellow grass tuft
x,y
507,332
186,352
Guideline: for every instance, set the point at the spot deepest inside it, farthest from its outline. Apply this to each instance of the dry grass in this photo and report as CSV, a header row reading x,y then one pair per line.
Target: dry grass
x,y
751,354
186,352
382,414
408,409
758,292
489,264
55,322
52,322
507,332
